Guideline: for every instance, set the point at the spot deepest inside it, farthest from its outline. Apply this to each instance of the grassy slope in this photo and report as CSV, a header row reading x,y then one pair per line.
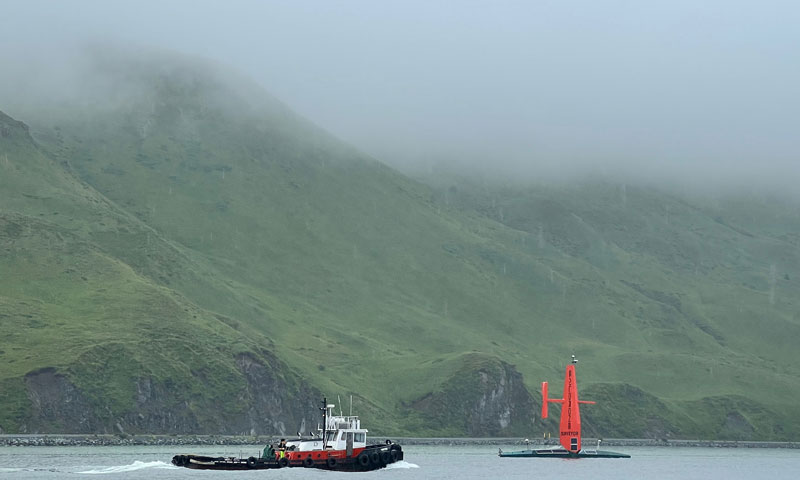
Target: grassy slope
x,y
712,297
292,230
369,282
68,302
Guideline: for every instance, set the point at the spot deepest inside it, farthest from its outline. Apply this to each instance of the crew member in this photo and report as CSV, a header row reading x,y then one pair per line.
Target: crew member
x,y
282,448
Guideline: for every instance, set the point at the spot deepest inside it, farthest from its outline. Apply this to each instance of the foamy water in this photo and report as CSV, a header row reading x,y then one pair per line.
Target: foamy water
x,y
401,464
137,465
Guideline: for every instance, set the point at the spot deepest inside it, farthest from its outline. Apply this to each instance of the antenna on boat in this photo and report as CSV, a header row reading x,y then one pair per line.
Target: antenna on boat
x,y
324,421
351,405
339,401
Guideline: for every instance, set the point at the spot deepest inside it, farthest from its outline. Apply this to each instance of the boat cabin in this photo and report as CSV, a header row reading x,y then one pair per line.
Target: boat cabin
x,y
340,433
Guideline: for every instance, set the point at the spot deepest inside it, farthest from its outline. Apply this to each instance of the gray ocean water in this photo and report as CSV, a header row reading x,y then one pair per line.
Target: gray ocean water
x,y
421,462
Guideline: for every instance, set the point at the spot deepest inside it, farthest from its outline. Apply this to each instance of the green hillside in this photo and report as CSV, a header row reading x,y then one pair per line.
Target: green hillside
x,y
703,287
187,255
80,300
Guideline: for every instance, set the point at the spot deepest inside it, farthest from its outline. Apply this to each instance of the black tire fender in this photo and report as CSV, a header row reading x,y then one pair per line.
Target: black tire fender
x,y
251,462
386,457
331,462
375,458
363,459
308,462
283,462
394,455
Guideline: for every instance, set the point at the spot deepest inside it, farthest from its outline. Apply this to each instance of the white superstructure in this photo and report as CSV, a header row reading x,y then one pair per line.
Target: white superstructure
x,y
341,432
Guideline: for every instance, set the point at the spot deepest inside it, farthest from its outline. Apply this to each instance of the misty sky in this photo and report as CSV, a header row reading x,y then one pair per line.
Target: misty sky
x,y
686,87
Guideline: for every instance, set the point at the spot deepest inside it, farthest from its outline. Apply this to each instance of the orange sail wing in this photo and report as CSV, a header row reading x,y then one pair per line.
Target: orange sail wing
x,y
570,434
570,425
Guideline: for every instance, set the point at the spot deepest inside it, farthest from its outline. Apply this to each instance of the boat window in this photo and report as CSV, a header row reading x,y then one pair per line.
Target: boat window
x,y
361,437
331,436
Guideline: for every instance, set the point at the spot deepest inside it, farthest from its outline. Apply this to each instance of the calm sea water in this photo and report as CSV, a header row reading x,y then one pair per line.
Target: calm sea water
x,y
421,462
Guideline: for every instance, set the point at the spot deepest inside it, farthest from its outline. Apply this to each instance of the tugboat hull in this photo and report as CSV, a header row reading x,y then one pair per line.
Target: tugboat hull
x,y
373,457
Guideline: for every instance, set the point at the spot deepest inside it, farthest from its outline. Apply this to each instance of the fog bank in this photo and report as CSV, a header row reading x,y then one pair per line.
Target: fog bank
x,y
689,91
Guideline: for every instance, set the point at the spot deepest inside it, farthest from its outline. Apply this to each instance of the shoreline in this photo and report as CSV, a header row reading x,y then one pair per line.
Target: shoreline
x,y
589,442
76,440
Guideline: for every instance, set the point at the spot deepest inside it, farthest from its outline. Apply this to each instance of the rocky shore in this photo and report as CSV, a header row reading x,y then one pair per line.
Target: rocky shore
x,y
54,440
114,440
591,442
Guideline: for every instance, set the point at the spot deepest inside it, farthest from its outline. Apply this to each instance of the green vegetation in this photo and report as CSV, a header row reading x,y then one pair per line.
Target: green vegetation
x,y
161,236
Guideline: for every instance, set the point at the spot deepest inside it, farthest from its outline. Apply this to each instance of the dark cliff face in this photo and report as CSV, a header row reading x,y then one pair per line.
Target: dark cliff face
x,y
486,397
275,405
271,401
57,405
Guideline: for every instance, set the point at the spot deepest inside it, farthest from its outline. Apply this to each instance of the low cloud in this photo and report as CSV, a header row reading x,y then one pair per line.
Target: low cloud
x,y
686,91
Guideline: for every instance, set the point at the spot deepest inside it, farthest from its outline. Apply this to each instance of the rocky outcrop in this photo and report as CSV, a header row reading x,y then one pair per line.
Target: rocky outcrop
x,y
736,427
486,397
626,411
272,401
276,404
57,405
734,417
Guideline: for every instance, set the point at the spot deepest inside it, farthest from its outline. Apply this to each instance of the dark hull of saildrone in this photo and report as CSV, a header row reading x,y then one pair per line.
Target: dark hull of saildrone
x,y
561,453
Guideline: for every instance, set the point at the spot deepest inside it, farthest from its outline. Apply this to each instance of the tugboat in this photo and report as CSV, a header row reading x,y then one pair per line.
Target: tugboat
x,y
341,444
570,431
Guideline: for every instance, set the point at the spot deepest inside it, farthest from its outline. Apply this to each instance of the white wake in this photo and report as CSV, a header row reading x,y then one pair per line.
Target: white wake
x,y
401,464
137,465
